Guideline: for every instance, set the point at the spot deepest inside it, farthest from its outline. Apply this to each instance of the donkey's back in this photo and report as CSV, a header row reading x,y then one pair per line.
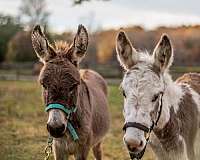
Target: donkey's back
x,y
97,88
190,110
94,79
193,82
192,79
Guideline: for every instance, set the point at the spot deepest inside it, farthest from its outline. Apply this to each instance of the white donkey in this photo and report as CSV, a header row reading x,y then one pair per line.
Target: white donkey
x,y
153,102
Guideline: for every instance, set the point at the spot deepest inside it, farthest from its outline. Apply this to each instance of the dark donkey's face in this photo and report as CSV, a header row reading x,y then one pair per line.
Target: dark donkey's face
x,y
59,76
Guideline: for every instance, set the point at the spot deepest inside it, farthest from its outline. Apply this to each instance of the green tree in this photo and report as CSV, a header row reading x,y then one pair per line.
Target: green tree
x,y
9,26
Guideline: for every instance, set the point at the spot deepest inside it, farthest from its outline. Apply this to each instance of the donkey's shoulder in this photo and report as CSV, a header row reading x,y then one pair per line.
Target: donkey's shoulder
x,y
94,79
192,79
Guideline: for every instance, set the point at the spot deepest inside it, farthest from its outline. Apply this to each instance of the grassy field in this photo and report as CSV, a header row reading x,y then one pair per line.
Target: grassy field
x,y
23,123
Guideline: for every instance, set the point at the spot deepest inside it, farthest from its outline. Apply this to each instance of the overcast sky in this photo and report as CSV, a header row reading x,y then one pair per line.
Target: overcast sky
x,y
115,13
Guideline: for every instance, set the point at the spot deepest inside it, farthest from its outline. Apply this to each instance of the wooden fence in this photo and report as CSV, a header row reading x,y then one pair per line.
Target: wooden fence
x,y
112,72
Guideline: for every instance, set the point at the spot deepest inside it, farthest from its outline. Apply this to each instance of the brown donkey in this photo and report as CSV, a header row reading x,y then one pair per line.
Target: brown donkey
x,y
154,102
76,100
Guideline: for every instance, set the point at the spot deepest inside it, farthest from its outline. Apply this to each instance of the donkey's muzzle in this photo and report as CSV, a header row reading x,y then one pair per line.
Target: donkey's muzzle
x,y
57,131
134,145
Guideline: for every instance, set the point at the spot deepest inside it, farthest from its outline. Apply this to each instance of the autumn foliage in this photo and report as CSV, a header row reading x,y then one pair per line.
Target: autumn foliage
x,y
101,50
186,42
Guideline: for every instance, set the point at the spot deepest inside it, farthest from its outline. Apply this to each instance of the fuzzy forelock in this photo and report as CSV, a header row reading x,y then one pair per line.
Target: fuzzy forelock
x,y
144,56
61,47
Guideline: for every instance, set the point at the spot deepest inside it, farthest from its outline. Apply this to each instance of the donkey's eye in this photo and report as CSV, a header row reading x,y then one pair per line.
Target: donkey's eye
x,y
72,87
124,94
43,85
155,97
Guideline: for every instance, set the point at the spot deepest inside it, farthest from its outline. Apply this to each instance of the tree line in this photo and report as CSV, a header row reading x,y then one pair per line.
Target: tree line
x,y
15,42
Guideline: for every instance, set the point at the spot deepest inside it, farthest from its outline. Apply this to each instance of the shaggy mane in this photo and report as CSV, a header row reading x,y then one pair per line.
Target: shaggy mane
x,y
61,47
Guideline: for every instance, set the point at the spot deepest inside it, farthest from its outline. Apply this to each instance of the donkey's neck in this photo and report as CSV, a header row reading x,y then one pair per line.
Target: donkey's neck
x,y
83,103
171,98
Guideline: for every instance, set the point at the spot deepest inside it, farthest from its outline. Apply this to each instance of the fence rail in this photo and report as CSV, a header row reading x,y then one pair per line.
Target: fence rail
x,y
113,73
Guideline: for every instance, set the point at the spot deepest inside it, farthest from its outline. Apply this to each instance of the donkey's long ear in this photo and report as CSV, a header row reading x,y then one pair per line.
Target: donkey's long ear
x,y
163,53
80,44
41,45
126,54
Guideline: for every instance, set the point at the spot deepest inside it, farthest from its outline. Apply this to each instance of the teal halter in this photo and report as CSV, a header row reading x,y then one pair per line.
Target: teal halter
x,y
68,112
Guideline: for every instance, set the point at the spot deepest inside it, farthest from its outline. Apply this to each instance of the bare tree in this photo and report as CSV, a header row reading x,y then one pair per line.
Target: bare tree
x,y
34,12
78,2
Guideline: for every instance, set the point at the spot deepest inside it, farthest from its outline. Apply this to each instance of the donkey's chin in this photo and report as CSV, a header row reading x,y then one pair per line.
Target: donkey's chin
x,y
138,155
60,135
56,132
136,151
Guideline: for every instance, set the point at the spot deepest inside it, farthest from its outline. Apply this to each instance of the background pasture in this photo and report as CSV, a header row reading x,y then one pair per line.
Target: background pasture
x,y
23,123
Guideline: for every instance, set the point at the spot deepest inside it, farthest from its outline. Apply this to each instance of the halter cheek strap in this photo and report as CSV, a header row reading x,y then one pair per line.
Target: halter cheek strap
x,y
68,112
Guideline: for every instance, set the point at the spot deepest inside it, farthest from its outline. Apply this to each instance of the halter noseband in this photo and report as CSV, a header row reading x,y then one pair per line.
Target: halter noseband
x,y
136,125
145,129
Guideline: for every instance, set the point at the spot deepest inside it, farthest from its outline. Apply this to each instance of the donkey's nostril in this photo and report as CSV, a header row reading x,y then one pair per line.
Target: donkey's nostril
x,y
141,144
131,148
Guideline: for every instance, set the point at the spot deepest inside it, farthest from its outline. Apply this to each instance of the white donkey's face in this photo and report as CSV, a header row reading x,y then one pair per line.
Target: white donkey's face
x,y
142,90
142,86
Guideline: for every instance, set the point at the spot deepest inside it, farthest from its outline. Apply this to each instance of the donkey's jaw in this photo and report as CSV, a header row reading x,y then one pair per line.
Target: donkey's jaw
x,y
164,117
171,98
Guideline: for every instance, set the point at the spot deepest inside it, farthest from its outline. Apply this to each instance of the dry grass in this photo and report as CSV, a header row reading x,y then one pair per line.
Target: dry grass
x,y
23,123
